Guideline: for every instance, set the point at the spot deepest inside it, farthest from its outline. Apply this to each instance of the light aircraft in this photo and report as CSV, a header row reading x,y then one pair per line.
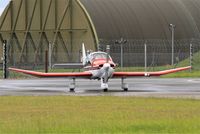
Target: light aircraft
x,y
98,65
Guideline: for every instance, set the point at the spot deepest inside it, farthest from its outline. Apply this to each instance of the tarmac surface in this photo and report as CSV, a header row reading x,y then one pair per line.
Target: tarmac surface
x,y
138,87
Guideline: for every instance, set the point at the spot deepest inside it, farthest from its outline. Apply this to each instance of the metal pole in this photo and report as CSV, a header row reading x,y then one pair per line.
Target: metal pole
x,y
5,59
46,61
121,42
172,46
122,55
50,54
145,56
191,56
172,30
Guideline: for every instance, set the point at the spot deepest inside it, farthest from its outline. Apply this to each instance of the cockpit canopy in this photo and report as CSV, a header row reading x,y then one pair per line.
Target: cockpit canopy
x,y
98,55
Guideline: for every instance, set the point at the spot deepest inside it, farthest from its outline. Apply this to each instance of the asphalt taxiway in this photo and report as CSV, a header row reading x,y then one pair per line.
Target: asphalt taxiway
x,y
153,87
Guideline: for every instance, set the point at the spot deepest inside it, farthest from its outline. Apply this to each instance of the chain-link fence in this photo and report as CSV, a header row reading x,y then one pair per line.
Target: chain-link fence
x,y
129,55
158,53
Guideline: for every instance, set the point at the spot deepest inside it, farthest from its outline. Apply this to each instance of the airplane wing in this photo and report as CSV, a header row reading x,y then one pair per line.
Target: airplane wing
x,y
53,75
148,74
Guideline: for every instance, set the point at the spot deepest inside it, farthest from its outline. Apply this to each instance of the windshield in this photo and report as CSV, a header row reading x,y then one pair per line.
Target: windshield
x,y
98,55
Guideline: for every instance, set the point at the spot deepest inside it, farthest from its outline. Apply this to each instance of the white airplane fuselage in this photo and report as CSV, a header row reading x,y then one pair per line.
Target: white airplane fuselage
x,y
101,66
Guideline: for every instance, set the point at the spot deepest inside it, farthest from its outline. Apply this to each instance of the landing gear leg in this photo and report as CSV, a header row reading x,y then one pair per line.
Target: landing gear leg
x,y
72,85
104,85
124,85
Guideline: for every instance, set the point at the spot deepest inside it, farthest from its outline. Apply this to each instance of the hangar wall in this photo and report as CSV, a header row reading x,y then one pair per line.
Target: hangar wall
x,y
146,22
30,25
144,19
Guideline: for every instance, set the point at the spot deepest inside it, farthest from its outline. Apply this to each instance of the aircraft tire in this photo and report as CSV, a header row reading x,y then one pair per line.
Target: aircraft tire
x,y
71,89
105,90
125,89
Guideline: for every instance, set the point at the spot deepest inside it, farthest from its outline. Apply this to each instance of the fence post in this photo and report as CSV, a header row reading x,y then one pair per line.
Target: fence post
x,y
122,55
50,55
5,59
191,56
46,61
172,26
145,56
121,42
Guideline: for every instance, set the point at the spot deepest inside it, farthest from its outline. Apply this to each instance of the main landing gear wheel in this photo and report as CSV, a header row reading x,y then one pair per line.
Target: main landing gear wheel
x,y
72,85
125,89
124,85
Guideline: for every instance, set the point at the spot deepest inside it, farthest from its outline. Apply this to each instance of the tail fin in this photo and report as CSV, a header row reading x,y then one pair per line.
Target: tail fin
x,y
84,60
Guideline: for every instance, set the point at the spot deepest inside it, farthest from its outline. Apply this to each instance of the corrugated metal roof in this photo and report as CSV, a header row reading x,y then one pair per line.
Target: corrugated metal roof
x,y
144,19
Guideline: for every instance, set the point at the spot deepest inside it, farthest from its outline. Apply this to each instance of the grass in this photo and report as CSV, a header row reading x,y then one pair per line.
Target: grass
x,y
90,115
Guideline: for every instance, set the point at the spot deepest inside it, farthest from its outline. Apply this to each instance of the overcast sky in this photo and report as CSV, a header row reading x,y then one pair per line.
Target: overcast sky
x,y
3,4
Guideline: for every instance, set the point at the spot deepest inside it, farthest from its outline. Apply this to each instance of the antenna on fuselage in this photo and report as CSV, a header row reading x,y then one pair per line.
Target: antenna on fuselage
x,y
84,57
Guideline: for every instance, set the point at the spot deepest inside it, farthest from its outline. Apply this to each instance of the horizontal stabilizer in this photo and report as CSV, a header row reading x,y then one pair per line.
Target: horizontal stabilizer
x,y
68,65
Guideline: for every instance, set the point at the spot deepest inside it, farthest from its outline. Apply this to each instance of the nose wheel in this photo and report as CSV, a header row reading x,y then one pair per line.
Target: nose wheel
x,y
105,89
104,85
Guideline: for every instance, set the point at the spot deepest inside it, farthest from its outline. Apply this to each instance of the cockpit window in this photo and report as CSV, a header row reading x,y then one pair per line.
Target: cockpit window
x,y
98,55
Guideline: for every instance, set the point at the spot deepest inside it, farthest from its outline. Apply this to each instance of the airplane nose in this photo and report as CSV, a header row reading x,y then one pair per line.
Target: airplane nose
x,y
106,65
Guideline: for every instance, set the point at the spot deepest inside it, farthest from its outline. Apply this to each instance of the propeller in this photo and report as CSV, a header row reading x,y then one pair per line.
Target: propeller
x,y
107,61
